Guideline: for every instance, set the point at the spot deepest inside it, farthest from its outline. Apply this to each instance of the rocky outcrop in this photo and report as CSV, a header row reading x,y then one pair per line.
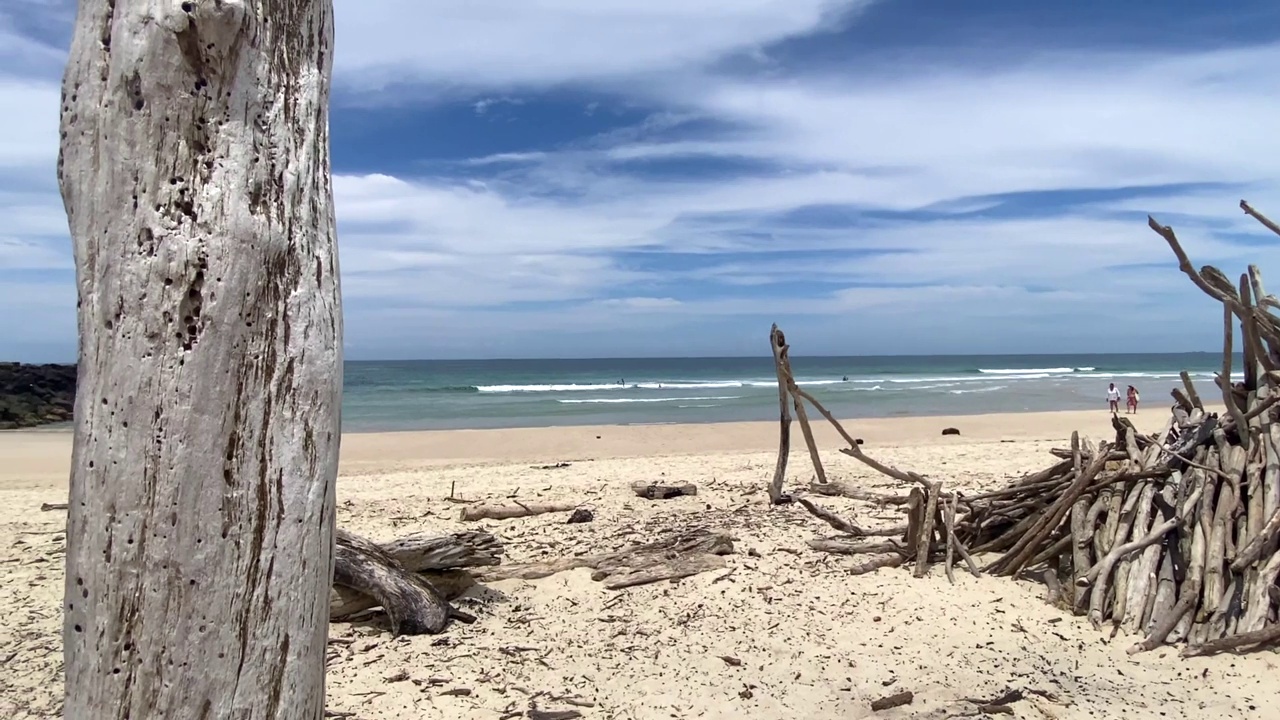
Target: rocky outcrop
x,y
32,395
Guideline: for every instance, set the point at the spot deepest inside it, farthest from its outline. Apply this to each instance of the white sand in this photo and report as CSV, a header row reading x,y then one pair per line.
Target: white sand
x,y
813,641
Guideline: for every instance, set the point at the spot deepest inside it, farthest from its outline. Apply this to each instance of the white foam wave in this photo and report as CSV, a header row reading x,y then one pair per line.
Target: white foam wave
x,y
686,385
1153,375
989,388
1026,371
959,378
545,388
597,387
923,382
1127,374
678,385
774,383
592,401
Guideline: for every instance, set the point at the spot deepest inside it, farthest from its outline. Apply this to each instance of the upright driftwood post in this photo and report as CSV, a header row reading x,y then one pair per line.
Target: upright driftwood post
x,y
782,365
194,168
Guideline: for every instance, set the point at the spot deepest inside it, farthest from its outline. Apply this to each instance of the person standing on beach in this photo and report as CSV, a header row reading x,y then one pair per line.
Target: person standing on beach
x,y
1132,401
1113,398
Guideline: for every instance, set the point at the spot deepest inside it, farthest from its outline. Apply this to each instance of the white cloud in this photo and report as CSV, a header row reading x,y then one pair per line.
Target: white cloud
x,y
642,303
483,105
499,43
23,54
1055,122
931,140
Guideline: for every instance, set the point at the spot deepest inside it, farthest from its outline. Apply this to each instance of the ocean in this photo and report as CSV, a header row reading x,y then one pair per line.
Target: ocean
x,y
437,394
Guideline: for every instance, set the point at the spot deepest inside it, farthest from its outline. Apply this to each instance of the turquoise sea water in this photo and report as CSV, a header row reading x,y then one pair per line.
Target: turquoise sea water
x,y
428,394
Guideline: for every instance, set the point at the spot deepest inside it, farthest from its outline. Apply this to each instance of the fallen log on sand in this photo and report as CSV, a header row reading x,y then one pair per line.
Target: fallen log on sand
x,y
359,571
345,603
412,604
514,510
653,491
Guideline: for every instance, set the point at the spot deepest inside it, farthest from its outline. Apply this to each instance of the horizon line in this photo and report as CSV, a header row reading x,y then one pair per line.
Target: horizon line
x,y
724,357
767,357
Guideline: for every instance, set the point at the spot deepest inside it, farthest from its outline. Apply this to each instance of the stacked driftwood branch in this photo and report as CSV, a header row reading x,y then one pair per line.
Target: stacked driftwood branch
x,y
928,536
413,578
1172,536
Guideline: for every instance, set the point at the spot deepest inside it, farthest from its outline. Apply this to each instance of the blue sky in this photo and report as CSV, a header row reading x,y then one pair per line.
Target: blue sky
x,y
571,178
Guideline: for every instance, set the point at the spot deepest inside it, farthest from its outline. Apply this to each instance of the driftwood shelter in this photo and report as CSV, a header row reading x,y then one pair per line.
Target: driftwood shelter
x,y
1171,536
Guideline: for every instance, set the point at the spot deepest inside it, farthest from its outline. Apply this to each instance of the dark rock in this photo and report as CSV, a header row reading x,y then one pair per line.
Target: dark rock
x,y
581,515
32,395
950,431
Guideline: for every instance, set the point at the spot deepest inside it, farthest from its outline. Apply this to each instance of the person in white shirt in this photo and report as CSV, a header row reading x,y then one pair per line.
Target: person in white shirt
x,y
1113,398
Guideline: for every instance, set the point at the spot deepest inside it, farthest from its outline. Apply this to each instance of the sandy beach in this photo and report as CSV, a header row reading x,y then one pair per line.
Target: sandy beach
x,y
781,631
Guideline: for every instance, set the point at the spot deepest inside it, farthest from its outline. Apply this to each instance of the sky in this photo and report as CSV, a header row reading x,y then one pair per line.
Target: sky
x,y
578,178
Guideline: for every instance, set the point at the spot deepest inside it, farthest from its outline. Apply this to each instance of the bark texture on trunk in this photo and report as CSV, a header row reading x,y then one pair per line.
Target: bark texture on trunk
x,y
194,168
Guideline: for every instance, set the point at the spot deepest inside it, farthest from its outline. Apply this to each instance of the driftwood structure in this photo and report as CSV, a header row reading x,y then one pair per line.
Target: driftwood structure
x,y
1171,536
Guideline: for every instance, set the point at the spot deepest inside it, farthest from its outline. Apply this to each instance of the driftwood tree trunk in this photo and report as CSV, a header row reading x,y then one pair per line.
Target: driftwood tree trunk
x,y
194,168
